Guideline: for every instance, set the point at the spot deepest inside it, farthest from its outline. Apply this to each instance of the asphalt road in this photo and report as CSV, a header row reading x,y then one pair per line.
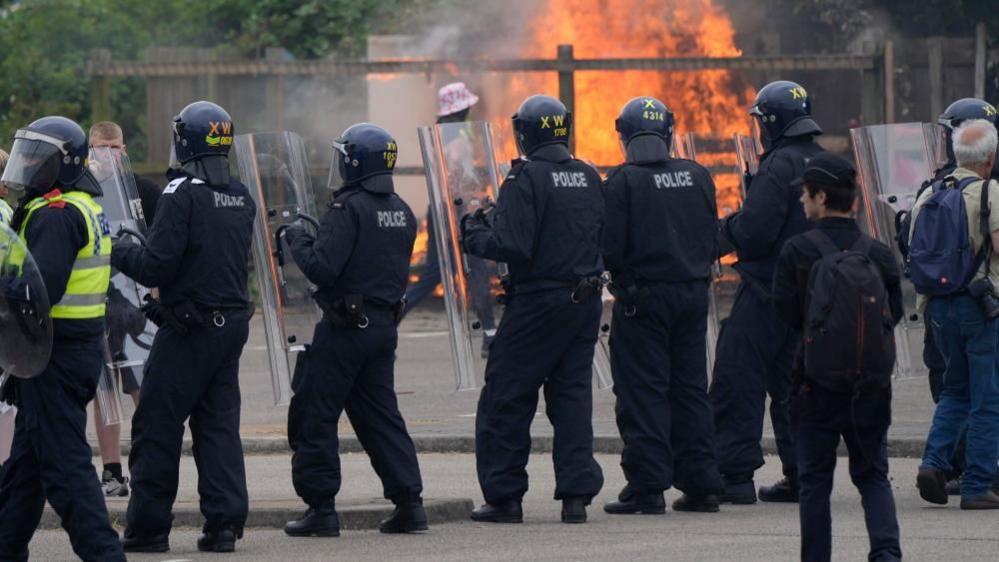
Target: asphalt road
x,y
763,532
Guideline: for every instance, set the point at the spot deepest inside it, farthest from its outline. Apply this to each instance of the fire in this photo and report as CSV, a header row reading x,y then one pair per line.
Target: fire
x,y
419,257
709,102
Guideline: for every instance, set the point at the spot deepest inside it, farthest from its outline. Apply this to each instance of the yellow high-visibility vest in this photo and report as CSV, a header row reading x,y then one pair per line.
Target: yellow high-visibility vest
x,y
87,289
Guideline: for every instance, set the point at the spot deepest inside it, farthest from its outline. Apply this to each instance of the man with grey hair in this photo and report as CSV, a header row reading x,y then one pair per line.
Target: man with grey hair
x,y
963,310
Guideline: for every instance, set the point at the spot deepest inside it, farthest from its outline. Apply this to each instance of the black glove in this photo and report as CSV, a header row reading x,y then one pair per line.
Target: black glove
x,y
295,230
153,310
725,245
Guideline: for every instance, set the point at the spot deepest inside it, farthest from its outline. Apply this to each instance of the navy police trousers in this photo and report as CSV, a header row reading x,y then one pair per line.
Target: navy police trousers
x,y
197,376
754,358
661,380
349,369
50,459
543,340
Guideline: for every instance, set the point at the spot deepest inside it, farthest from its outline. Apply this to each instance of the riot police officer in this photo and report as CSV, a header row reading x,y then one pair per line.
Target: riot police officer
x,y
65,231
197,254
756,348
659,246
547,226
359,260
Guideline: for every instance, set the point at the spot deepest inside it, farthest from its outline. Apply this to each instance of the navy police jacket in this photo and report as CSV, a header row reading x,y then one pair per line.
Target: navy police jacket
x,y
548,222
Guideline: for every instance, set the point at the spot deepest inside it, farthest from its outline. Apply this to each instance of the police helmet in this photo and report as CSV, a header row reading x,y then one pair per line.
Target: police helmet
x,y
645,116
50,152
364,154
784,110
202,137
540,121
965,109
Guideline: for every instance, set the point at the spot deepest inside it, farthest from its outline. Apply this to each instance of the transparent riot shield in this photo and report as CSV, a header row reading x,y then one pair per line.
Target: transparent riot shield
x,y
602,373
462,176
129,335
275,168
893,161
25,325
727,159
747,151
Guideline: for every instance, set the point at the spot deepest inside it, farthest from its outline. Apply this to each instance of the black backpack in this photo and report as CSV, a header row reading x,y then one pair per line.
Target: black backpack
x,y
849,339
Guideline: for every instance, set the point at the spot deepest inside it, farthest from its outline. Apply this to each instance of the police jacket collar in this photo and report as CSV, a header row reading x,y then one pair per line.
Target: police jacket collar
x,y
380,184
787,141
647,149
173,175
557,153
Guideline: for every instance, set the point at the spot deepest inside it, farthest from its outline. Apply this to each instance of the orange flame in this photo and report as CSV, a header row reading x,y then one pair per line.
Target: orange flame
x,y
710,102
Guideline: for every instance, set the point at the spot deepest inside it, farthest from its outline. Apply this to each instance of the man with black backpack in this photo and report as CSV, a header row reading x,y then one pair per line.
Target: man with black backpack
x,y
842,290
954,234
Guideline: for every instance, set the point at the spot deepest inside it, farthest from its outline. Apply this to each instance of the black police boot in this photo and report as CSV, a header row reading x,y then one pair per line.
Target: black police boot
x,y
318,521
408,517
220,539
574,510
145,543
631,501
699,503
506,512
932,484
739,493
784,490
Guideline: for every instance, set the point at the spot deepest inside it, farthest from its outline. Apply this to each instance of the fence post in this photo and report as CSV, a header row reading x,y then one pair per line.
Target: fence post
x,y
889,72
980,60
567,86
872,101
934,49
100,86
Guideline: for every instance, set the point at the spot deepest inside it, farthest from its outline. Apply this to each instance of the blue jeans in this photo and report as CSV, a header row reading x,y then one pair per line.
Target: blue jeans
x,y
970,397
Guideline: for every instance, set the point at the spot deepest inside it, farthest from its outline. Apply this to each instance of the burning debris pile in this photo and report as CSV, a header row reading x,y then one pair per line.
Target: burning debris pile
x,y
709,102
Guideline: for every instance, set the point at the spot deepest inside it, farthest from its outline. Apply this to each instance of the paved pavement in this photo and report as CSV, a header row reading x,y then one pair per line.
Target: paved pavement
x,y
764,532
432,408
441,419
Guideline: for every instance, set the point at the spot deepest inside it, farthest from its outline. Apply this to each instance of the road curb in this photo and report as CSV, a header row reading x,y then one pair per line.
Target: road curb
x,y
275,513
897,447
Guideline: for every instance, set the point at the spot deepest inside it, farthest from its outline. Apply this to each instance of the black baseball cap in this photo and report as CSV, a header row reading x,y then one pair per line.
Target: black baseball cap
x,y
827,169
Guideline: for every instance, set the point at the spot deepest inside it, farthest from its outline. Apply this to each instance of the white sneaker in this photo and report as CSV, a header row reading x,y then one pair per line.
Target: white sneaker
x,y
114,488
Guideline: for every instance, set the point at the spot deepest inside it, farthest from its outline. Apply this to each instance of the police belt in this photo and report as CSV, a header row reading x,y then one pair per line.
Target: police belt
x,y
355,311
188,315
579,291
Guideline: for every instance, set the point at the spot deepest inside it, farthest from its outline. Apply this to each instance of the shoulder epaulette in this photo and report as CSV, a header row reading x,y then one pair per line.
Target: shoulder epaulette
x,y
340,201
173,185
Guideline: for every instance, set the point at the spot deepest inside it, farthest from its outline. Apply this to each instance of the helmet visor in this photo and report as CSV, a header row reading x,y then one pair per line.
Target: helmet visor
x,y
338,166
33,164
948,122
174,162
